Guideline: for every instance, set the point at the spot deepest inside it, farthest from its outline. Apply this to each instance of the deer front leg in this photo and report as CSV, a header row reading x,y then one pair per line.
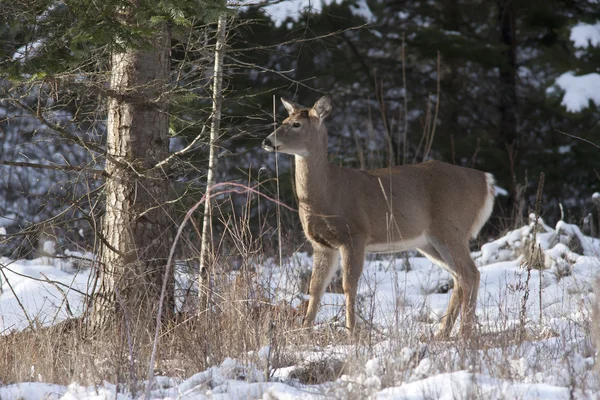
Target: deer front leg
x,y
353,258
325,263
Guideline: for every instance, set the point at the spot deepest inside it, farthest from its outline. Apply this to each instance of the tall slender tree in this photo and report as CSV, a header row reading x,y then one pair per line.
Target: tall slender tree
x,y
507,99
217,99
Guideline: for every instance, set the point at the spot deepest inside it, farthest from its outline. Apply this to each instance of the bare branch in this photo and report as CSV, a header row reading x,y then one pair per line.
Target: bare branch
x,y
55,167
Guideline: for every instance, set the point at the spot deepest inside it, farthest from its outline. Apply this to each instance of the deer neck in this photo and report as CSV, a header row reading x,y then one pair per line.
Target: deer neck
x,y
312,180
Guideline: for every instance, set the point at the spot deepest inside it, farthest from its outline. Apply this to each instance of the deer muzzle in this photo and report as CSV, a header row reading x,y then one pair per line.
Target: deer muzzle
x,y
268,145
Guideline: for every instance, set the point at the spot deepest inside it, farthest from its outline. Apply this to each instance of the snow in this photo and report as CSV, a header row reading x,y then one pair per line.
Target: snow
x,y
397,294
500,191
7,220
39,300
30,50
29,195
454,385
564,149
583,35
293,9
579,90
361,9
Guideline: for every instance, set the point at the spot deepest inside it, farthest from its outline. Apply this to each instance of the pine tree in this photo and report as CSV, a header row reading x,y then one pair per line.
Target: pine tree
x,y
70,64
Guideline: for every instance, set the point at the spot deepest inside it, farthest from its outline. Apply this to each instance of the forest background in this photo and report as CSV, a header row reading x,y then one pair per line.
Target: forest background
x,y
108,107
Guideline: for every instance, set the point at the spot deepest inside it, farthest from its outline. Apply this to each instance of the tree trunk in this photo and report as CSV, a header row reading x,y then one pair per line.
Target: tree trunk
x,y
508,135
217,97
451,83
136,227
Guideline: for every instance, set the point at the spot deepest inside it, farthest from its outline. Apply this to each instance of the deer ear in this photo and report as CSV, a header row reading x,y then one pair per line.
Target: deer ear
x,y
289,106
322,108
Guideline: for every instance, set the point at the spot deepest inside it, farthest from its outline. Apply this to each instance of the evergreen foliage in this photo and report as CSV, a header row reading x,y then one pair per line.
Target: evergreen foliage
x,y
54,58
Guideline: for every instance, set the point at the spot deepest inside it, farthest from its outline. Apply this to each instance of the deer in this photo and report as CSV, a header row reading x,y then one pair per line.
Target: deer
x,y
433,207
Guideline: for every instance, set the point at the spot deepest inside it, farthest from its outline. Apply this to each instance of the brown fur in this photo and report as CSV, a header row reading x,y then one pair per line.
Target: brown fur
x,y
434,207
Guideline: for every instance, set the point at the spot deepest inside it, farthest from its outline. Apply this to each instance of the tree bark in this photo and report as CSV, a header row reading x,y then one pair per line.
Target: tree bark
x,y
136,226
217,98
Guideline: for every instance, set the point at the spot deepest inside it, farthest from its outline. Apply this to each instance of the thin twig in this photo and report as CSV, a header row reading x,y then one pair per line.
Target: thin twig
x,y
386,126
579,138
3,266
134,383
29,321
475,153
405,144
425,135
437,108
55,167
277,181
533,258
65,299
185,149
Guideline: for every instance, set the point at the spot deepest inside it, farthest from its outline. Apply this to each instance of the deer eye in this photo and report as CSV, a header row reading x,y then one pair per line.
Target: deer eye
x,y
296,124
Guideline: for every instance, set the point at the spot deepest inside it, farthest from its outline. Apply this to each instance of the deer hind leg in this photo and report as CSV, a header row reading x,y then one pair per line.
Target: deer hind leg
x,y
469,303
325,263
353,258
449,317
452,312
457,259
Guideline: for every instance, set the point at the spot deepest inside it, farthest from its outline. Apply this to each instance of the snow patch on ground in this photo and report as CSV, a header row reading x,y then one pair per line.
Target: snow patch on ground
x,y
396,294
454,385
35,292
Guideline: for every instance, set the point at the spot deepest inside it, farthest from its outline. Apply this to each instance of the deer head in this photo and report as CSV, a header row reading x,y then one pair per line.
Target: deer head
x,y
302,131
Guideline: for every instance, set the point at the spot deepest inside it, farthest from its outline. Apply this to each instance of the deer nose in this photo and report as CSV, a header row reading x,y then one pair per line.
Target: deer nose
x,y
267,143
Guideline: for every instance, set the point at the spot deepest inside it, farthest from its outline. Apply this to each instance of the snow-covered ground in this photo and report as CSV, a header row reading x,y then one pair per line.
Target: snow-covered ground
x,y
401,300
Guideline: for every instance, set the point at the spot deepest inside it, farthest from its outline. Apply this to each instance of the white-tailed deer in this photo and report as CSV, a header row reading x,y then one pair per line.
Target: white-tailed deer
x,y
433,207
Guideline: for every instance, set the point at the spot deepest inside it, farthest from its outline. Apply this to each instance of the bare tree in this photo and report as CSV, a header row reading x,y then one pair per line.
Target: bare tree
x,y
217,98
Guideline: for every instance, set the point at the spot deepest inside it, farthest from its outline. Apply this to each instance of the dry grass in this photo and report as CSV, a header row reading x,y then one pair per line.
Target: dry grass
x,y
244,319
236,327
